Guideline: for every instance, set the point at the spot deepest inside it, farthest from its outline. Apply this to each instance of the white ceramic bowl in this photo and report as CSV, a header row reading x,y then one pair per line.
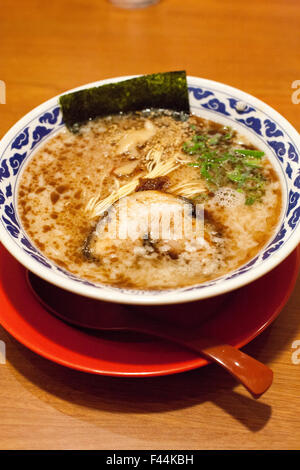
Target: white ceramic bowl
x,y
250,116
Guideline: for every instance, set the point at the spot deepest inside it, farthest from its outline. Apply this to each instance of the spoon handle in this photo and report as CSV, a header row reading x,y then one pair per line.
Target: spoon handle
x,y
252,374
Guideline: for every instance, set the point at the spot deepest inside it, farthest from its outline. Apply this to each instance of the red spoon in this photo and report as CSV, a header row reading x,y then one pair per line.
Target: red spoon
x,y
85,313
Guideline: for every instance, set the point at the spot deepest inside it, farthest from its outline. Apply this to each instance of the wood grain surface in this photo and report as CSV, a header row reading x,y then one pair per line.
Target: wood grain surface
x,y
49,47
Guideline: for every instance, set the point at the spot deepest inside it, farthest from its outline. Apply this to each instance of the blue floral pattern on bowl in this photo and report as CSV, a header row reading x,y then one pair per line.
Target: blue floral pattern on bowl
x,y
210,99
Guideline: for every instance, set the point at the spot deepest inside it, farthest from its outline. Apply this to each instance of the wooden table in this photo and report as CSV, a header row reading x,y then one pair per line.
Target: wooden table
x,y
49,47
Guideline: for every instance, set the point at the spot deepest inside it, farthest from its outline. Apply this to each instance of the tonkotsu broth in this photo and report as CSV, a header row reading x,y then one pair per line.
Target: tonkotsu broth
x,y
60,180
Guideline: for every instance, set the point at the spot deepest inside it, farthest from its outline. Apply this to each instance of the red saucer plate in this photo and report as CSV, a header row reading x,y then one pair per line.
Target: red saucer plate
x,y
247,313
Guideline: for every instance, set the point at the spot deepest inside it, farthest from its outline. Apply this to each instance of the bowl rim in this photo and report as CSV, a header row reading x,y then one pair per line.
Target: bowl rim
x,y
112,294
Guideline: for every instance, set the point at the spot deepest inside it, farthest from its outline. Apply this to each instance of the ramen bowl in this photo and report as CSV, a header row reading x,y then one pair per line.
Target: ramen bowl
x,y
252,118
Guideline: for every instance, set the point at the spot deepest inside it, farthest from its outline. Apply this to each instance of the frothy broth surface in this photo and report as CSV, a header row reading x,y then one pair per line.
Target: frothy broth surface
x,y
191,163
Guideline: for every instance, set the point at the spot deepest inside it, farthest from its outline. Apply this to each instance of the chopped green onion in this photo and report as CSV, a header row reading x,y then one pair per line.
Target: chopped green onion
x,y
215,139
250,153
249,201
221,165
252,163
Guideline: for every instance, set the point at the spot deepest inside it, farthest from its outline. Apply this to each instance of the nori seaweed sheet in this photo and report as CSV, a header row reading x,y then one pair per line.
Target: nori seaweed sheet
x,y
160,90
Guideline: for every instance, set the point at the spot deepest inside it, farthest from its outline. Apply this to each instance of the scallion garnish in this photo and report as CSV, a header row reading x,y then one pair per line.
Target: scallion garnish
x,y
221,165
250,153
